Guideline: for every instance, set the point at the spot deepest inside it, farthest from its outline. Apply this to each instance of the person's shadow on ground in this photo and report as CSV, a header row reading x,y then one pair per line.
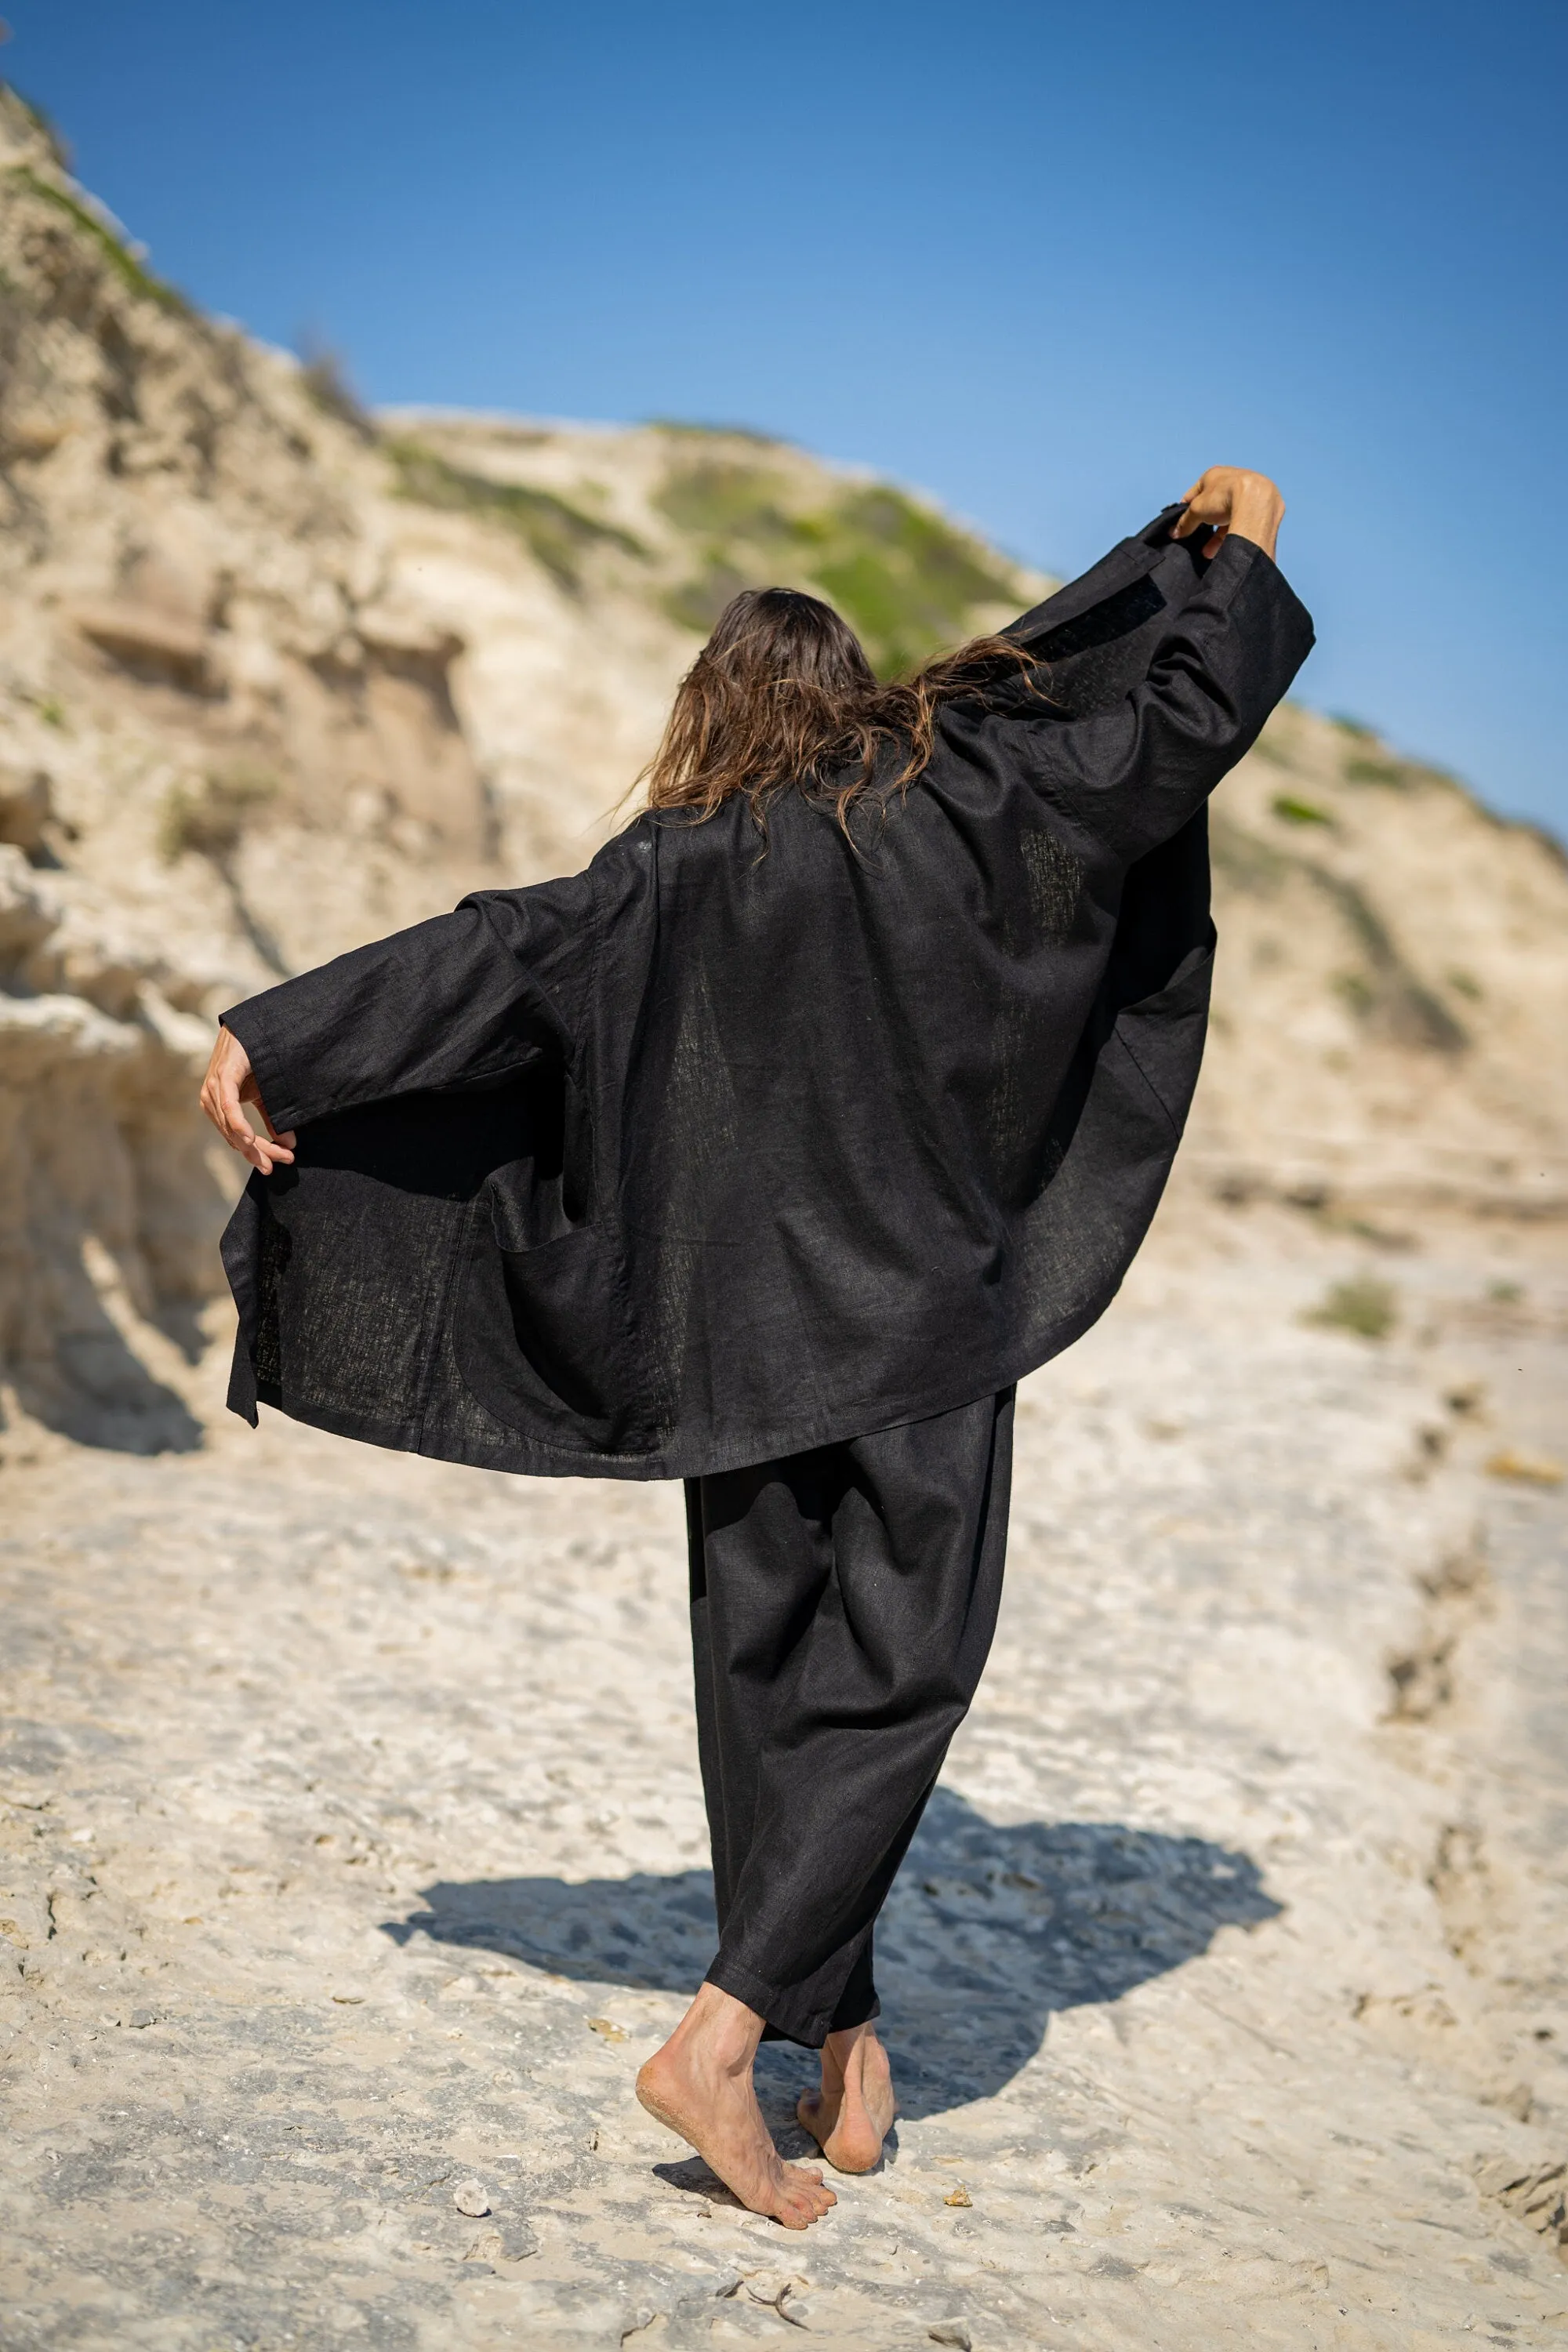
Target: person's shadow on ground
x,y
987,1932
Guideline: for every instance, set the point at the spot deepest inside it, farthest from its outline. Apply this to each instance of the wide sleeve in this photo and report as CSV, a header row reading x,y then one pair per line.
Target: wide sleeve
x,y
1135,773
458,1001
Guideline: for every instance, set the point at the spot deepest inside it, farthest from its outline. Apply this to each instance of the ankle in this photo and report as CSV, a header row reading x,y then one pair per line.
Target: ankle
x,y
722,2028
849,2048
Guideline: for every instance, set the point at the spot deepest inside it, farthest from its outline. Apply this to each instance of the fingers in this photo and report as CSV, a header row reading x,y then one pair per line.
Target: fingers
x,y
220,1100
231,1120
1201,514
262,1152
1199,505
249,1092
280,1145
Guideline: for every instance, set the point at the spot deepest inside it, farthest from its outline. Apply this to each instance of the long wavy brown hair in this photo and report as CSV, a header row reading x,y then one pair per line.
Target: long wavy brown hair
x,y
781,695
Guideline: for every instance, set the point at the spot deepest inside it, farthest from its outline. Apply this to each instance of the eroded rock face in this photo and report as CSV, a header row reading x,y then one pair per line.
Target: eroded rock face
x,y
275,678
228,746
1390,992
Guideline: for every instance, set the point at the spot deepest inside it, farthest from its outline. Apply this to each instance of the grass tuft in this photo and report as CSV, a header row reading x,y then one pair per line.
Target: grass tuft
x,y
1364,1305
1299,811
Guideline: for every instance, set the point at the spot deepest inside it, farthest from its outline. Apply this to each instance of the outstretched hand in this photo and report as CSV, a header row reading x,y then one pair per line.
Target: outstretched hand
x,y
229,1083
1230,499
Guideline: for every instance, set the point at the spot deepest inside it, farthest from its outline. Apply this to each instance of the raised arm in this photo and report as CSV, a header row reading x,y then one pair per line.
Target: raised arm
x,y
1137,771
463,998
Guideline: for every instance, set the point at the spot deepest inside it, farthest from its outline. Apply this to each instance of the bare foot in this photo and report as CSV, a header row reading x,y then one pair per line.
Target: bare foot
x,y
700,2083
852,2114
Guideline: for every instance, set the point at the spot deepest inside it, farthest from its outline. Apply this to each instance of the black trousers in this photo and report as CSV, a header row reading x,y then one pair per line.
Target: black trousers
x,y
843,1603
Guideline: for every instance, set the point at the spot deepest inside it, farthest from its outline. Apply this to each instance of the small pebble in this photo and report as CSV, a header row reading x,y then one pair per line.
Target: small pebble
x,y
959,2196
470,2199
607,2027
950,2331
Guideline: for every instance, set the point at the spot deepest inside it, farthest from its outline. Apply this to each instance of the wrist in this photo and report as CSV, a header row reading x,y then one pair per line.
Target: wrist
x,y
1255,514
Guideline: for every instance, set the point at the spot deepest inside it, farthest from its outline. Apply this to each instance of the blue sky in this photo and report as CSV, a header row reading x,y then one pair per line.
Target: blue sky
x,y
1044,262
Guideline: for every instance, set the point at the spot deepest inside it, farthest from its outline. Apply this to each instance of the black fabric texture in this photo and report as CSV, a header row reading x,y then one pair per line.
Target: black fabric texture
x,y
843,1604
716,1152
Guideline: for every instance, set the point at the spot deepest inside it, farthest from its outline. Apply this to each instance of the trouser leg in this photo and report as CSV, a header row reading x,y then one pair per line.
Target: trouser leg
x,y
843,1603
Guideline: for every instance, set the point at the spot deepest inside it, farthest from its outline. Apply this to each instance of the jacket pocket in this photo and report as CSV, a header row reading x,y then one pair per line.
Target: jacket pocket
x,y
542,1338
543,1194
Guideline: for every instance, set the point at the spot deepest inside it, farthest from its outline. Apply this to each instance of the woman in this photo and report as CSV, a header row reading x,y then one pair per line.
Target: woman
x,y
769,1153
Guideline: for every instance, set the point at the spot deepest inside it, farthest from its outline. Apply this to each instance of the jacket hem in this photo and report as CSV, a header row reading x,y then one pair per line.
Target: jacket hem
x,y
535,1460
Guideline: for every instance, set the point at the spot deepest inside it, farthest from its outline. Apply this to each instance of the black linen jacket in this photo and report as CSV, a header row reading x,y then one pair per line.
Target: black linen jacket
x,y
713,1152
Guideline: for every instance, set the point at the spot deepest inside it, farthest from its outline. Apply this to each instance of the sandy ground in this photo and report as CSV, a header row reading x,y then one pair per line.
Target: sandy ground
x,y
353,1855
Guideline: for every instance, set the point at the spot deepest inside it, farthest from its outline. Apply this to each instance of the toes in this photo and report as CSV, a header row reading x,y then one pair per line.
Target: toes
x,y
808,2192
800,2217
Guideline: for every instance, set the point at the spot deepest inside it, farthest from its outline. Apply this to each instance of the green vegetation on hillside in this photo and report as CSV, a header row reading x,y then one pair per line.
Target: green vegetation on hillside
x,y
749,513
559,534
1367,760
710,432
1368,770
907,580
130,272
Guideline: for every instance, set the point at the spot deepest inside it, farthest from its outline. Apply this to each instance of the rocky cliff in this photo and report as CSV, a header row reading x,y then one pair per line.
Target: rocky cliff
x,y
276,676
